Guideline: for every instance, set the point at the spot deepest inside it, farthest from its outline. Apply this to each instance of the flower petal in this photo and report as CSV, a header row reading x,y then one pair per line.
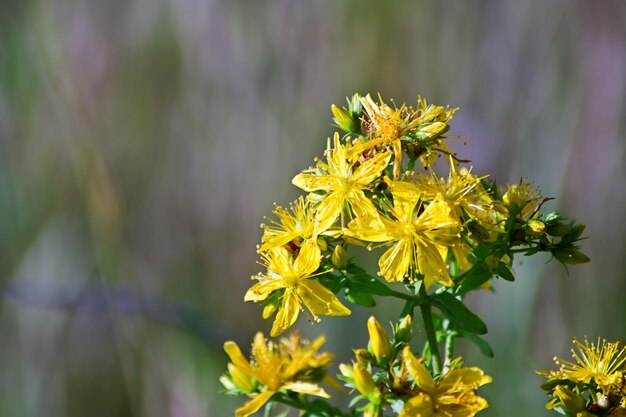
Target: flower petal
x,y
306,388
328,211
254,404
288,313
394,264
371,169
308,259
320,300
261,290
420,374
310,182
418,406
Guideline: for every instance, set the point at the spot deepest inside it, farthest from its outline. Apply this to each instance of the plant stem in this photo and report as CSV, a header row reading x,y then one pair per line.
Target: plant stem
x,y
429,327
416,300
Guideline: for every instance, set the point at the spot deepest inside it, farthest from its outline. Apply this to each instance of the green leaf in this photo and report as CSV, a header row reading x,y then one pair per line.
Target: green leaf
x,y
485,348
360,298
473,278
458,313
503,271
368,284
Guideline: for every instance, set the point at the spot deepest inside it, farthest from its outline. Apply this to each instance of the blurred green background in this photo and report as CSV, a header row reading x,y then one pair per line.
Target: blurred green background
x,y
142,142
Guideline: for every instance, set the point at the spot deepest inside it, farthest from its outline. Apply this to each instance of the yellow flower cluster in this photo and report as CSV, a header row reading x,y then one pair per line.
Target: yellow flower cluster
x,y
359,191
453,393
594,384
291,365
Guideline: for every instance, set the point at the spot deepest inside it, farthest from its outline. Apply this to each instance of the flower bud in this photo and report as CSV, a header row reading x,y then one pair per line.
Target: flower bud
x,y
339,257
242,380
404,329
343,119
572,402
321,243
378,339
536,228
346,370
363,381
269,310
363,356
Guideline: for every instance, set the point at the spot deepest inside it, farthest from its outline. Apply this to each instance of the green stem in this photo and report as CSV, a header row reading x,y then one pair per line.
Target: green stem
x,y
429,327
416,300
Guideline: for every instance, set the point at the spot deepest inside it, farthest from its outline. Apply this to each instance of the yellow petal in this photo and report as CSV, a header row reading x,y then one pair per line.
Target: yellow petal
x,y
395,263
232,350
288,313
310,182
308,259
327,211
254,404
418,406
306,388
371,169
431,264
320,300
420,374
406,195
261,290
361,205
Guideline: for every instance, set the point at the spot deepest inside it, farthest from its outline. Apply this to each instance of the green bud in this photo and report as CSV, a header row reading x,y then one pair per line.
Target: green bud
x,y
573,403
355,106
343,119
339,257
404,330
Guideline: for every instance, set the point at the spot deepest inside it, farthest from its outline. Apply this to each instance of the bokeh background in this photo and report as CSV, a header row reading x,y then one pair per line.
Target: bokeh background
x,y
142,142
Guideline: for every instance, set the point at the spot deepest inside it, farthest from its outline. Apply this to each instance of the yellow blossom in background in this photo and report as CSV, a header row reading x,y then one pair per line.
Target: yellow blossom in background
x,y
293,224
602,362
414,233
343,178
452,395
285,366
293,276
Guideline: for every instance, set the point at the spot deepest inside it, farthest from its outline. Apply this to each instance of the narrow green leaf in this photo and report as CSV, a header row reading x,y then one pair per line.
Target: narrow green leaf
x,y
458,313
503,271
473,278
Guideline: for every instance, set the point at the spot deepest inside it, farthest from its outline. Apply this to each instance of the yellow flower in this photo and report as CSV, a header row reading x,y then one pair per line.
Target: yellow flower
x,y
294,224
602,362
415,230
293,275
343,179
523,199
461,191
389,126
286,366
452,395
